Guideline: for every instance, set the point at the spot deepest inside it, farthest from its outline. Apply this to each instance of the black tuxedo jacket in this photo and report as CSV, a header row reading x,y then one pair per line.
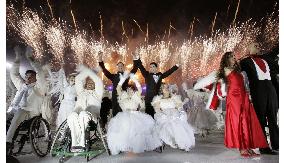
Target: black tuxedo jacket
x,y
152,88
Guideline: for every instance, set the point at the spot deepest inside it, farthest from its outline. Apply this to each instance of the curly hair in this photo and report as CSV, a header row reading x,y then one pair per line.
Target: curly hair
x,y
225,62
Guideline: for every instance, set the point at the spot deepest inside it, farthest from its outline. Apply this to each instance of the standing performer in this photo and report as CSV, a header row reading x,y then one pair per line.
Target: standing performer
x,y
153,80
241,124
67,94
171,120
115,78
89,88
263,94
131,130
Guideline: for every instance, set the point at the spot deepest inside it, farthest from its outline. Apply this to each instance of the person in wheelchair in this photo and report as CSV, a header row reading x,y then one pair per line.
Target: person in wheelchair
x,y
89,88
30,93
131,130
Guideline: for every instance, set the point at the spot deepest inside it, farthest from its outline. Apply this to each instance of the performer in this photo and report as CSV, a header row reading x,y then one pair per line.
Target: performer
x,y
30,92
153,80
65,87
200,117
131,130
263,94
89,88
115,78
241,124
171,120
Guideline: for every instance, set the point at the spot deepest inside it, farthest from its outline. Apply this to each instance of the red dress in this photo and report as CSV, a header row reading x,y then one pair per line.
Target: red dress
x,y
242,128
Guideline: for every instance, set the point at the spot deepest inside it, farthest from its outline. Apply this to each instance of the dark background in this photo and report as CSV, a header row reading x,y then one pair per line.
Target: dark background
x,y
157,13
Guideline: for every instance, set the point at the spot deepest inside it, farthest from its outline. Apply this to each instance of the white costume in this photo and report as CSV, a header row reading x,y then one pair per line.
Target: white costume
x,y
87,106
68,93
131,130
28,99
171,123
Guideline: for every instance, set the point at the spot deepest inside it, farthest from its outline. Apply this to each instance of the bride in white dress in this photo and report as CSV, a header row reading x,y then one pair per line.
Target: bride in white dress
x,y
171,120
131,130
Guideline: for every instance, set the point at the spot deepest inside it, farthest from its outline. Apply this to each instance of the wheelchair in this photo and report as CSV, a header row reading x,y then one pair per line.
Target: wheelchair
x,y
36,132
95,144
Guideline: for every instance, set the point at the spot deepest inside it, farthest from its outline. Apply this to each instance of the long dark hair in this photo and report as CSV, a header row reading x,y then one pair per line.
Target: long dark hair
x,y
225,62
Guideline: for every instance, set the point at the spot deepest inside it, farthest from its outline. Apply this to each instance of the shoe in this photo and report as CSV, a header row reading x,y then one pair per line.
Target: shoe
x,y
267,151
159,149
9,147
245,153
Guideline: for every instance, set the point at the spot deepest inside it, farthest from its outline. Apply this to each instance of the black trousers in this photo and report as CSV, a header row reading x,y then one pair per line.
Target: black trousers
x,y
265,103
149,108
115,107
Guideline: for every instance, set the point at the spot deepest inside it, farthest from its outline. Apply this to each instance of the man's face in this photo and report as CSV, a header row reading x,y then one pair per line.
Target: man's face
x,y
254,48
30,78
90,84
120,67
153,68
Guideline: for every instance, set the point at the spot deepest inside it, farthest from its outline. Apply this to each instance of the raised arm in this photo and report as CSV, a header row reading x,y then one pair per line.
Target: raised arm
x,y
138,85
14,72
99,85
40,77
170,71
109,75
120,83
144,72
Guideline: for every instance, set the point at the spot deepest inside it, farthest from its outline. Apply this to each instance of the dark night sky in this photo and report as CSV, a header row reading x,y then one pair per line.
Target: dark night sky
x,y
157,13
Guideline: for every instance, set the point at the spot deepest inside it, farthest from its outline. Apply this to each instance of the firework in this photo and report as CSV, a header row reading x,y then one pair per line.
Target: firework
x,y
31,29
79,45
55,38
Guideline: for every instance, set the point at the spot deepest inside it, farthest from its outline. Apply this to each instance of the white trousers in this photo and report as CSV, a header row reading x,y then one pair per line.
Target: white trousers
x,y
18,118
77,124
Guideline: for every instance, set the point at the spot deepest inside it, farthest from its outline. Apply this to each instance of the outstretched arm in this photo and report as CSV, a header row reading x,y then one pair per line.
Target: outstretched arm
x,y
135,63
170,71
109,75
14,72
120,83
138,85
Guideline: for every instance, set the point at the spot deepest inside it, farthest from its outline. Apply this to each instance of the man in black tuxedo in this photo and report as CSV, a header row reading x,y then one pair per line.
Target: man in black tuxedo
x,y
264,97
115,78
153,80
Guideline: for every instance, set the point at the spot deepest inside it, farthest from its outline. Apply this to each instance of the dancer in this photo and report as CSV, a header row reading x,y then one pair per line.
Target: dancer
x,y
171,120
115,78
89,88
131,130
263,94
65,89
153,80
241,124
200,117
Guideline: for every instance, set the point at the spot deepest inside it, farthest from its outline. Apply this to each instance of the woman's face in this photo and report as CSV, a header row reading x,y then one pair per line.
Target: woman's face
x,y
166,90
130,91
232,60
72,80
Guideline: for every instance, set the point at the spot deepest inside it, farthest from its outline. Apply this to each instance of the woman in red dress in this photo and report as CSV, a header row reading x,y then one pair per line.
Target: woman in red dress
x,y
242,128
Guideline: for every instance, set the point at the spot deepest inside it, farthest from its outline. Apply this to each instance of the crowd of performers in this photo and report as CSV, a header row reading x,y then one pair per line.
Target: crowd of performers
x,y
245,88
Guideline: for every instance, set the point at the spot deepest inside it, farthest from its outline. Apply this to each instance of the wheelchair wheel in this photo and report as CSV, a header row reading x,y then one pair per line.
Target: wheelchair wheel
x,y
61,141
40,136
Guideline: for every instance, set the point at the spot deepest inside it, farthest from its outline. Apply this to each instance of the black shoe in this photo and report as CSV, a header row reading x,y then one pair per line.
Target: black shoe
x,y
9,147
267,151
159,150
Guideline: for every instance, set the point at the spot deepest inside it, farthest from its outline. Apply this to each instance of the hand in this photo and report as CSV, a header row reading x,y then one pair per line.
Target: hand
x,y
135,55
100,55
17,50
29,52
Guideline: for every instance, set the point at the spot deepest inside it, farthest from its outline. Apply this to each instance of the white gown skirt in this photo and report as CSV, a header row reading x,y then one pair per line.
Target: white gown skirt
x,y
132,131
174,129
65,109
